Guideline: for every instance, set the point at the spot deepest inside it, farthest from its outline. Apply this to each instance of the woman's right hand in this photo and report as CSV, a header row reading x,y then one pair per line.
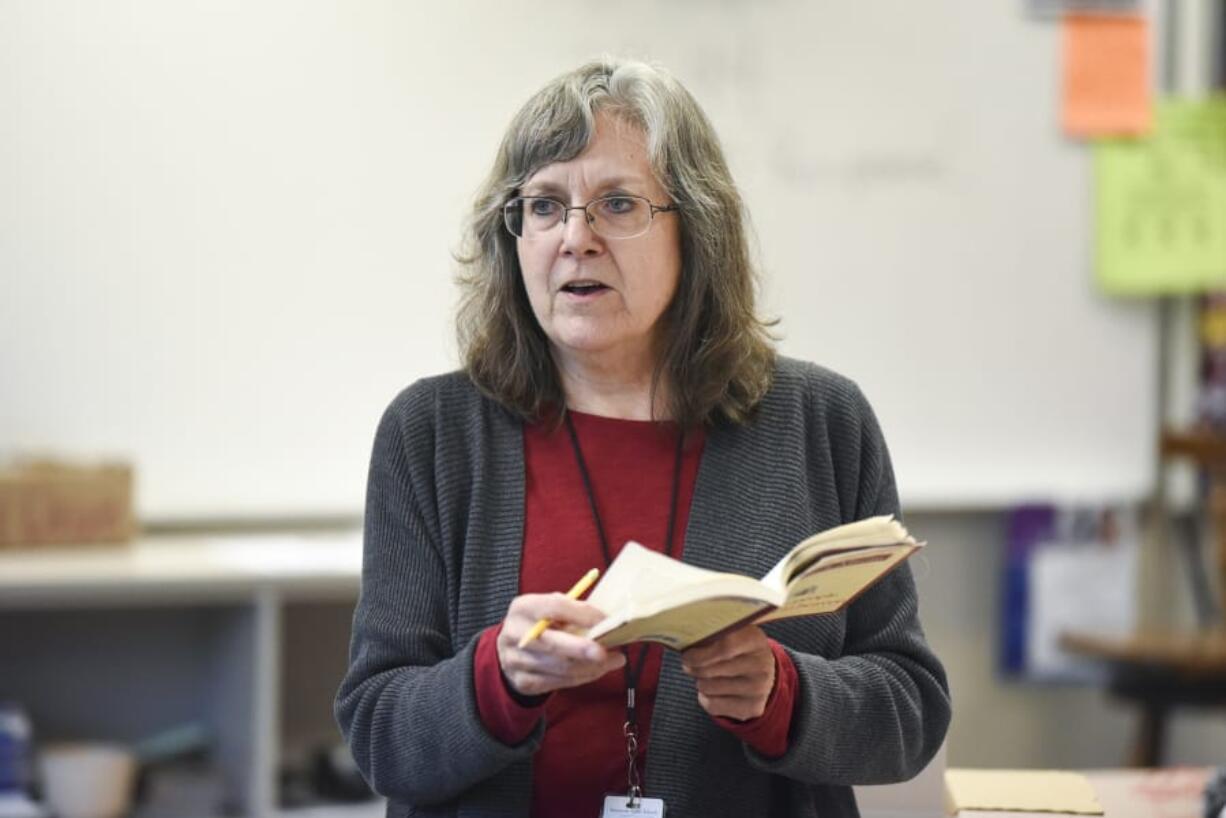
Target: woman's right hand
x,y
556,659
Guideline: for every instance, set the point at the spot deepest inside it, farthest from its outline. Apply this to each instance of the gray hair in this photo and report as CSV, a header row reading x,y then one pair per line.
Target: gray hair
x,y
717,355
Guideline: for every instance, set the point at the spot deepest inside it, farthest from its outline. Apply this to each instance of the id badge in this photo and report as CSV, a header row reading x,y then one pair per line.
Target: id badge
x,y
615,806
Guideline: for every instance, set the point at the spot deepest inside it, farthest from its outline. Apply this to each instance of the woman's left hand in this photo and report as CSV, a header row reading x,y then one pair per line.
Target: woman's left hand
x,y
735,674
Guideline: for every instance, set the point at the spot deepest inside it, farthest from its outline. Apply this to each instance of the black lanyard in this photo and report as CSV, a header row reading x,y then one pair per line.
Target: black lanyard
x,y
633,670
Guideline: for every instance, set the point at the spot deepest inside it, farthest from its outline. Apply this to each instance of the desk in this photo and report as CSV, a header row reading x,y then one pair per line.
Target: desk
x,y
116,642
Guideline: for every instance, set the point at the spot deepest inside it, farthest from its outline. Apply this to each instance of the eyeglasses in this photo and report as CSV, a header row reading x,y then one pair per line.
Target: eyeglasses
x,y
620,216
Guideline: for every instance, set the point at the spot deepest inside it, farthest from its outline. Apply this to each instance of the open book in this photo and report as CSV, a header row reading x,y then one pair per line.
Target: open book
x,y
649,597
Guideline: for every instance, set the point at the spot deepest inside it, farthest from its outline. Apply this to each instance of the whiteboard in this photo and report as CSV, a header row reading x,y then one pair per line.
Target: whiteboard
x,y
228,227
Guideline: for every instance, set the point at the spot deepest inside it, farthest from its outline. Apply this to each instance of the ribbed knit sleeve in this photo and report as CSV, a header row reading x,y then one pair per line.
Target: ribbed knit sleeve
x,y
407,705
879,711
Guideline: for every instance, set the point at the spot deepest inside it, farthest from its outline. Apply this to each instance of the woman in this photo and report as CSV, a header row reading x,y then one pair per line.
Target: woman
x,y
618,385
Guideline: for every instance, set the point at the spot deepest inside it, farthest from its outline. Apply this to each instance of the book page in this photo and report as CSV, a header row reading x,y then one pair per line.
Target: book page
x,y
670,602
869,525
874,531
880,530
679,628
639,574
834,581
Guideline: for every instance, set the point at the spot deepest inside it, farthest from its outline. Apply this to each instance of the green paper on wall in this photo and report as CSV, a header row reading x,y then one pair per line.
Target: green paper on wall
x,y
1161,203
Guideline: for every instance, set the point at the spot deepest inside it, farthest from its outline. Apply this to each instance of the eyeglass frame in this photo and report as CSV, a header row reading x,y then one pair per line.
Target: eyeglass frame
x,y
588,217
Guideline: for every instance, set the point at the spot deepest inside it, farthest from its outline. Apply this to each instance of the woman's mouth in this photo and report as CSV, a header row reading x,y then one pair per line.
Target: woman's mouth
x,y
584,289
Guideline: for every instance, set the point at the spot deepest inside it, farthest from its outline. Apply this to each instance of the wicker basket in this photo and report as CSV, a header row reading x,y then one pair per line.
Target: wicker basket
x,y
46,502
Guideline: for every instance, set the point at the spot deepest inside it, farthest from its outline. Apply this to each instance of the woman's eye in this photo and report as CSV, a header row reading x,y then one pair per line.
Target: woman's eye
x,y
619,205
543,207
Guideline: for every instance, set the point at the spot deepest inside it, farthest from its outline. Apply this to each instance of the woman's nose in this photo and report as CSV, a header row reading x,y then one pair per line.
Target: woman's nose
x,y
578,238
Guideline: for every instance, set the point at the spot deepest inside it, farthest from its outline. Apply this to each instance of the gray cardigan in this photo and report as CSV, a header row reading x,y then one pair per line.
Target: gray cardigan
x,y
444,528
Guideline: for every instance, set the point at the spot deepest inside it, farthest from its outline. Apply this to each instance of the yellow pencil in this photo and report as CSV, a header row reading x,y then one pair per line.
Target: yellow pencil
x,y
574,593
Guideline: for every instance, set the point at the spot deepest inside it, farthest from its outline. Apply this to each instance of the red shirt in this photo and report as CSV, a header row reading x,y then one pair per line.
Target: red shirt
x,y
582,756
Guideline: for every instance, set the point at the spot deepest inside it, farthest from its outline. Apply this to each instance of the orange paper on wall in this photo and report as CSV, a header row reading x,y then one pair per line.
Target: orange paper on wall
x,y
1106,75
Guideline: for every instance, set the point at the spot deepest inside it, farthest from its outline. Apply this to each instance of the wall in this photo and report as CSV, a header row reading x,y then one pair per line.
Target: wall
x,y
232,227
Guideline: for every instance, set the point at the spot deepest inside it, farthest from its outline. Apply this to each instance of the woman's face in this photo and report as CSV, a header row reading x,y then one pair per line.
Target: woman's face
x,y
636,277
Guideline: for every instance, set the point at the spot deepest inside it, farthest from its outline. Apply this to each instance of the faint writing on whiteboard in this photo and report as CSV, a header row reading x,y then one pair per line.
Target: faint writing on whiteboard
x,y
1055,8
876,169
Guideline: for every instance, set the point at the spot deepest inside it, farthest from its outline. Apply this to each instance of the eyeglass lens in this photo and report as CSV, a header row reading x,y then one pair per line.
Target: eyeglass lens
x,y
613,217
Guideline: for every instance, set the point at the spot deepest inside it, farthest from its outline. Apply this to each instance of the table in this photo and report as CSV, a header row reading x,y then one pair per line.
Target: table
x,y
1158,672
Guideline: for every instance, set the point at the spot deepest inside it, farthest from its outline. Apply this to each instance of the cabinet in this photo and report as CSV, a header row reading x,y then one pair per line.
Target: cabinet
x,y
231,632
246,635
